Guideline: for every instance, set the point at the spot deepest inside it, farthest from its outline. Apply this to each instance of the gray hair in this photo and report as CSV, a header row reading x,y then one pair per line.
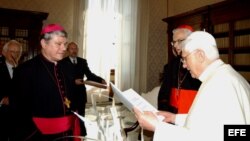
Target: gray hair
x,y
201,40
6,45
48,36
186,31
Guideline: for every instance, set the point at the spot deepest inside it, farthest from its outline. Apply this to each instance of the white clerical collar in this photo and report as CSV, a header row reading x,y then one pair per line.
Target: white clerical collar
x,y
210,69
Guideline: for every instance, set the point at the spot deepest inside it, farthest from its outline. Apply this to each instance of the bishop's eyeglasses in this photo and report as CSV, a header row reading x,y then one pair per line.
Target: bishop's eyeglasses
x,y
177,41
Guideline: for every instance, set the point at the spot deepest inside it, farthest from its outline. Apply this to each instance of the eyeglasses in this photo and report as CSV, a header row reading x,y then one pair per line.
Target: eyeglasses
x,y
184,58
177,41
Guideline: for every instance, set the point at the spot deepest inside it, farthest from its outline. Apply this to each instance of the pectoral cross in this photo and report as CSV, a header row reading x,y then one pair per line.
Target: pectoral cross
x,y
67,102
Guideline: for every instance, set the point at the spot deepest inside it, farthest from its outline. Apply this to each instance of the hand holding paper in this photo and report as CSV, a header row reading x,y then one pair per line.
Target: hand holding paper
x,y
147,120
132,99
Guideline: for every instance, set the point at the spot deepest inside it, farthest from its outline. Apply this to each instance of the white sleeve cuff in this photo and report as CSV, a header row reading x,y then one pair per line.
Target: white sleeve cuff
x,y
180,119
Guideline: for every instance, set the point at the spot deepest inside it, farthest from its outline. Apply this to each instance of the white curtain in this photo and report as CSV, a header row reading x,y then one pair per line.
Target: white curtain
x,y
110,33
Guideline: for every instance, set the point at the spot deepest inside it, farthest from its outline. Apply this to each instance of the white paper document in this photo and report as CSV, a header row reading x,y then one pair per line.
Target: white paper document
x,y
85,120
131,98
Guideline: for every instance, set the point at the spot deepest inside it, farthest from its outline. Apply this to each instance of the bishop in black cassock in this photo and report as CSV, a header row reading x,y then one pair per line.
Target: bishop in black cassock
x,y
42,101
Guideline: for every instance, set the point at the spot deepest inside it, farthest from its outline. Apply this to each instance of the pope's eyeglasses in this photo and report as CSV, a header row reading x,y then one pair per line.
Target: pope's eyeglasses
x,y
184,58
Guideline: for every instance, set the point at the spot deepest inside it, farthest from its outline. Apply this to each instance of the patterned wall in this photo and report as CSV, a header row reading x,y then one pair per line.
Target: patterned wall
x,y
157,42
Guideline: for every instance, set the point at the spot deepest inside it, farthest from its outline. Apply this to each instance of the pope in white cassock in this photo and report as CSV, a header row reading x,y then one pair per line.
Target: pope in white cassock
x,y
222,99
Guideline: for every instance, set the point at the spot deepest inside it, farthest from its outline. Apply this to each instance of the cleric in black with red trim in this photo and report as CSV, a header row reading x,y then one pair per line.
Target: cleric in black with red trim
x,y
178,88
42,100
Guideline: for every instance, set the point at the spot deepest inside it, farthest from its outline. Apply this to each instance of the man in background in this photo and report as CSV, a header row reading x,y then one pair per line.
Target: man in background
x,y
11,52
78,68
178,88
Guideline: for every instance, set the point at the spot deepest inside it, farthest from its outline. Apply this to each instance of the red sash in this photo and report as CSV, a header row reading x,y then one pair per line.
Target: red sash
x,y
182,99
58,125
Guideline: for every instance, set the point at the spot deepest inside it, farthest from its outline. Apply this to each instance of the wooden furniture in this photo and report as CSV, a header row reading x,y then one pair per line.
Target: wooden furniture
x,y
23,26
229,23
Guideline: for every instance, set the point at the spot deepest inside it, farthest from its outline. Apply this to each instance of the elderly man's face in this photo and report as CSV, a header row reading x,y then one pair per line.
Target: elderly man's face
x,y
13,53
190,62
178,37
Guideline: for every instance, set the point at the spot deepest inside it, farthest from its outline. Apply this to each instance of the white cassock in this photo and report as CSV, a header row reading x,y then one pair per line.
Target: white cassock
x,y
223,98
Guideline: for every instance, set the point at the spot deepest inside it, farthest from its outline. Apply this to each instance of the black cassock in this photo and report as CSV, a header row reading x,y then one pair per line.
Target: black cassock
x,y
170,81
42,100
